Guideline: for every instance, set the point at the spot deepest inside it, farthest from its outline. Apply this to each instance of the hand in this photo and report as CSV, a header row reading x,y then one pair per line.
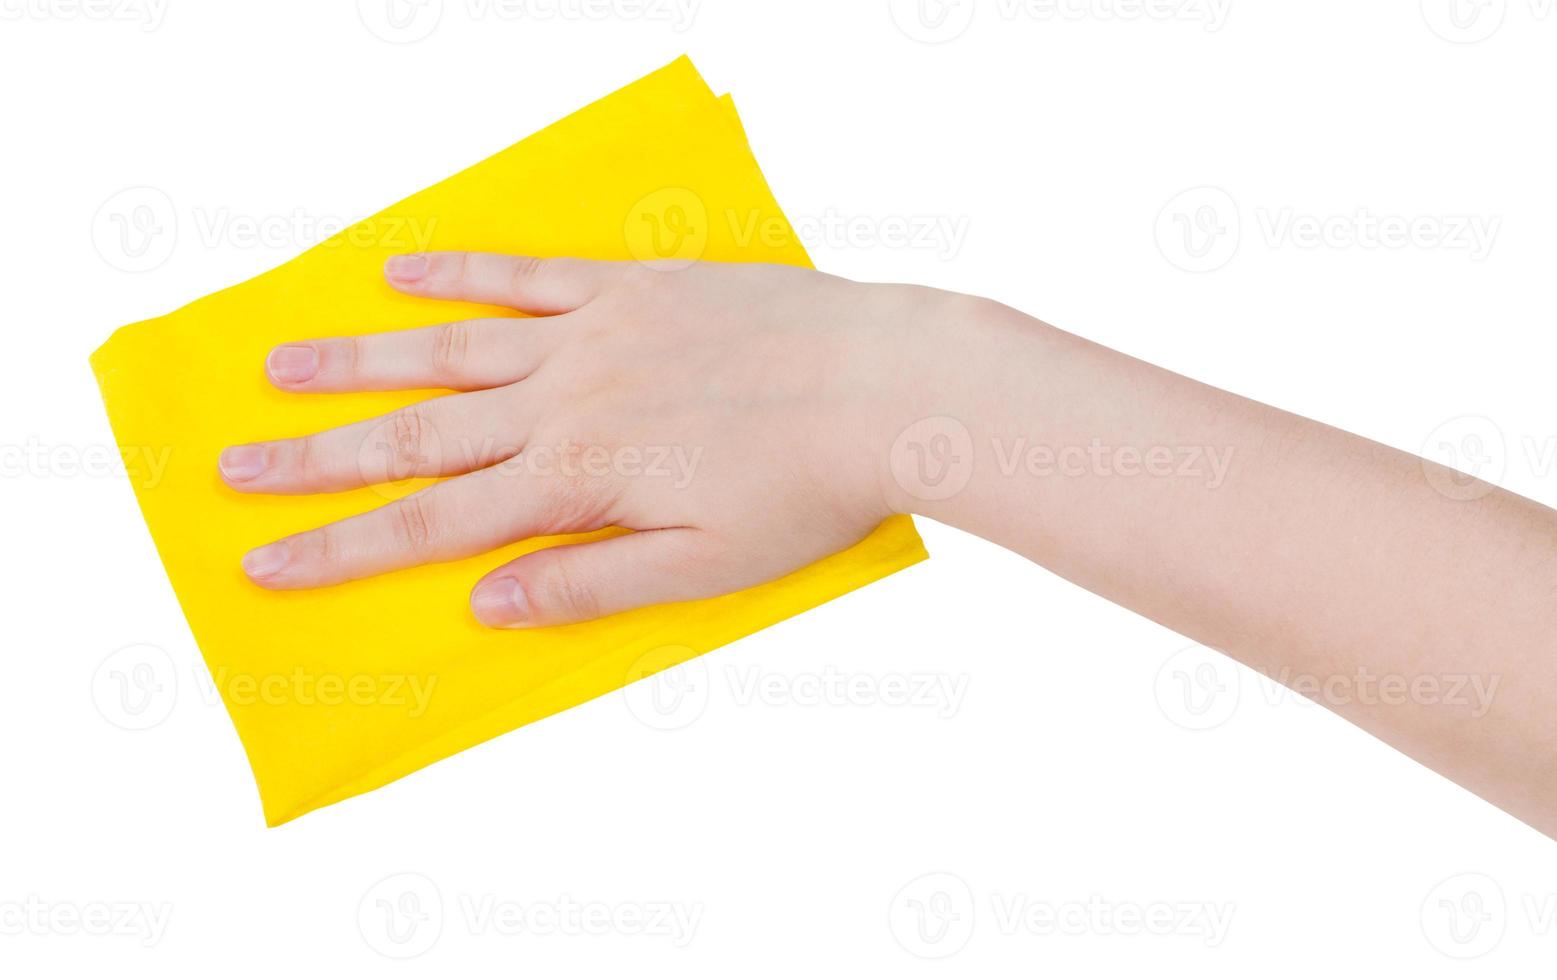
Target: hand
x,y
732,415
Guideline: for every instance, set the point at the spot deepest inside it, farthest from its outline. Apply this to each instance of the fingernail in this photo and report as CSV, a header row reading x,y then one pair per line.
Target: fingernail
x,y
267,561
241,463
406,268
292,363
500,602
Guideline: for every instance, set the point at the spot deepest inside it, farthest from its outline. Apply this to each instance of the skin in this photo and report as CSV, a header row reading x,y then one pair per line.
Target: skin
x,y
1411,599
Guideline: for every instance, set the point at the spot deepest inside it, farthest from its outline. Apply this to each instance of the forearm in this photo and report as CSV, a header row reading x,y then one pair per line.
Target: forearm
x,y
1318,557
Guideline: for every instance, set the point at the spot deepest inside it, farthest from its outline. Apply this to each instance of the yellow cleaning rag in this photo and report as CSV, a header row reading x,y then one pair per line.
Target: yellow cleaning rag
x,y
338,691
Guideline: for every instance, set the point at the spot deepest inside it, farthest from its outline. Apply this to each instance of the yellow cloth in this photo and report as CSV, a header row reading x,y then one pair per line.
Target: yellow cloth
x,y
338,691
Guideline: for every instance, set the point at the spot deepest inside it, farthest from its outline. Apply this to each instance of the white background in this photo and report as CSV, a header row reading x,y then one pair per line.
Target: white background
x,y
1066,773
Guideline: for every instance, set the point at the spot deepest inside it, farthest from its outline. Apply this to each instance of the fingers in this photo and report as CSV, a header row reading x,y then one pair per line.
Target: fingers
x,y
542,286
455,519
574,583
441,437
465,355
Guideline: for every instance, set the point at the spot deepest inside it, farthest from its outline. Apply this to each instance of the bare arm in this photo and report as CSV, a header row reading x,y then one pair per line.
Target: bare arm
x,y
1413,600
809,408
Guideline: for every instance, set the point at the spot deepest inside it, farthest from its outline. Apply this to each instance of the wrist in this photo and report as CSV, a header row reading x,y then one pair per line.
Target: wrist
x,y
965,363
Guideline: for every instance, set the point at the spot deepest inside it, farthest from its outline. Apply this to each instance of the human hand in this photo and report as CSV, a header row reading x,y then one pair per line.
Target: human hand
x,y
737,417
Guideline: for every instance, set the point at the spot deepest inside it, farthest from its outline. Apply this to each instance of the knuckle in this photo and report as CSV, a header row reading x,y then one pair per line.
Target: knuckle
x,y
306,461
577,501
523,273
327,545
410,431
413,519
315,551
451,348
569,596
351,356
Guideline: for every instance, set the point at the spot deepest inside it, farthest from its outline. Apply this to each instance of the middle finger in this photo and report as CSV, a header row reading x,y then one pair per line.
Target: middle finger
x,y
439,437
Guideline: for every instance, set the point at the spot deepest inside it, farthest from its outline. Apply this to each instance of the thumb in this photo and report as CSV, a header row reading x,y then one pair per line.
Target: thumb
x,y
576,582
